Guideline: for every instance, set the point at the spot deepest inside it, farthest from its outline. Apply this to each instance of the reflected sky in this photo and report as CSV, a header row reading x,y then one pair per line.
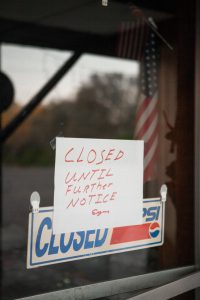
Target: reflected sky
x,y
29,68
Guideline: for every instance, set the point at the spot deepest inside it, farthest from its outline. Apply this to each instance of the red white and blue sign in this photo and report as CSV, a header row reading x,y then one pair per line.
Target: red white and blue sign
x,y
45,248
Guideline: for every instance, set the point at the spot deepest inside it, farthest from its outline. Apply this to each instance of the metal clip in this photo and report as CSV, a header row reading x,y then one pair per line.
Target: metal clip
x,y
104,2
163,193
35,202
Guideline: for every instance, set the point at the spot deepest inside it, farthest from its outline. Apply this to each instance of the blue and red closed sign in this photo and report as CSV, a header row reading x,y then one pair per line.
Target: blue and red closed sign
x,y
46,248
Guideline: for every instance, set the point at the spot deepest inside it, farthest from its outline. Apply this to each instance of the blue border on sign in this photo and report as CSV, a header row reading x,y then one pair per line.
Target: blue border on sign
x,y
96,253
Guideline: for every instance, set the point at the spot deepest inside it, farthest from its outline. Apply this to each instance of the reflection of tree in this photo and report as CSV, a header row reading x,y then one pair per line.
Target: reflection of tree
x,y
102,109
112,91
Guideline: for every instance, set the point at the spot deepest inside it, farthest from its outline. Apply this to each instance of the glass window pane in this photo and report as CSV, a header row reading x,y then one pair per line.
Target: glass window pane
x,y
127,84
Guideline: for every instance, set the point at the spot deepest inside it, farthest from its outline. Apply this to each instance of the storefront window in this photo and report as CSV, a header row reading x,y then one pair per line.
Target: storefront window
x,y
130,82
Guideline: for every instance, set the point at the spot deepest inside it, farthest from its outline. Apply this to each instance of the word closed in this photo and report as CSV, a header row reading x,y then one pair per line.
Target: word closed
x,y
45,247
95,181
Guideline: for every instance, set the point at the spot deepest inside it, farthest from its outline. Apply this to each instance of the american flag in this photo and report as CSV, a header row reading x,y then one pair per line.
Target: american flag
x,y
138,41
147,110
132,35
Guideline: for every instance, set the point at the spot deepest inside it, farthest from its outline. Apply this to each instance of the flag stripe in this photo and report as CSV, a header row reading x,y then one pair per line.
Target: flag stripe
x,y
121,37
145,112
146,123
151,129
126,35
151,153
142,105
137,39
150,141
131,38
143,34
148,170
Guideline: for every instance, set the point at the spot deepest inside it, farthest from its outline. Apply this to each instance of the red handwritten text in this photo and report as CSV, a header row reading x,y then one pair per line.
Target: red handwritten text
x,y
96,174
98,213
92,199
88,188
92,156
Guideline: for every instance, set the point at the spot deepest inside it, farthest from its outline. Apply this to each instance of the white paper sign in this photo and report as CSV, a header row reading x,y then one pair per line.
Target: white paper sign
x,y
98,184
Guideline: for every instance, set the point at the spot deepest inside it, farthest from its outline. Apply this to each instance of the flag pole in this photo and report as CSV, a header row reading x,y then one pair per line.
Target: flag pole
x,y
150,23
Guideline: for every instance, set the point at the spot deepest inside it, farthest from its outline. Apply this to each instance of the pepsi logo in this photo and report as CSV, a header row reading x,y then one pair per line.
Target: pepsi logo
x,y
154,229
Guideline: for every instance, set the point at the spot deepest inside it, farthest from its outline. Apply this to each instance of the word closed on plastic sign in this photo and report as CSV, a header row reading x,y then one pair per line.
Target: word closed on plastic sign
x,y
45,247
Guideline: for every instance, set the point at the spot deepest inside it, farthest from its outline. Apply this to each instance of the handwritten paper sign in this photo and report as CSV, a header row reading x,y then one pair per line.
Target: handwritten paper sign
x,y
98,184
